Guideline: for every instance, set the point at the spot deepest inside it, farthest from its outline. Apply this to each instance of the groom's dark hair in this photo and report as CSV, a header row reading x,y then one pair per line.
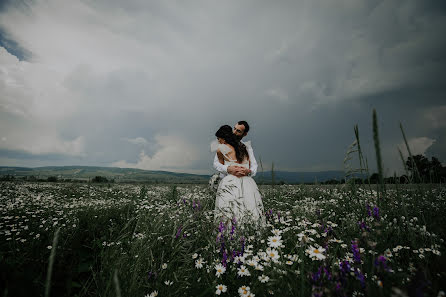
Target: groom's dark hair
x,y
244,123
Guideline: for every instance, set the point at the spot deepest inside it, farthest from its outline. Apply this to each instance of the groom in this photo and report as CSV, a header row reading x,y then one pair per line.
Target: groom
x,y
240,130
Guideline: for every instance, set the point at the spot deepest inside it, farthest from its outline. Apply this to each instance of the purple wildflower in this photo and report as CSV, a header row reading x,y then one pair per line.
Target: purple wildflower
x,y
369,213
360,277
234,223
356,254
328,230
338,287
363,226
221,227
381,261
225,258
345,267
376,212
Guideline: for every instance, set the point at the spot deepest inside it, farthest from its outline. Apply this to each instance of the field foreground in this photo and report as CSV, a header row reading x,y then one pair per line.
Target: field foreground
x,y
134,240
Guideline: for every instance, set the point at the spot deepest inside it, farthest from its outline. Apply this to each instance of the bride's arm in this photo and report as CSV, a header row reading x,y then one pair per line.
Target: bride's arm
x,y
221,159
220,167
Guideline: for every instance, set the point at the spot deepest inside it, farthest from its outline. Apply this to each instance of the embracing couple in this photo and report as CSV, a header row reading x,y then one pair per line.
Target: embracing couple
x,y
238,198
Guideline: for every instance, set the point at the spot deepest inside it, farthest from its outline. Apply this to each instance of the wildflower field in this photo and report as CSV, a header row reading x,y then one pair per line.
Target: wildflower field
x,y
65,239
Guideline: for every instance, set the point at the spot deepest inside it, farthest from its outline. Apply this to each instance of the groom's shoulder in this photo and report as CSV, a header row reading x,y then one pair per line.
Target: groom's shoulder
x,y
247,143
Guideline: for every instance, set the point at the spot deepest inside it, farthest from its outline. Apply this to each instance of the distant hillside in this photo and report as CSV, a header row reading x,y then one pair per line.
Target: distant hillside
x,y
118,174
139,175
299,177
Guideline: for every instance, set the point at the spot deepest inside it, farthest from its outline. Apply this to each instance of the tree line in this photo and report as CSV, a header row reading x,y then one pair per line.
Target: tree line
x,y
418,168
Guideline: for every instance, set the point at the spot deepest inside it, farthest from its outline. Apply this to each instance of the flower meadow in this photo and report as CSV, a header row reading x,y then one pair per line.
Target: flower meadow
x,y
66,239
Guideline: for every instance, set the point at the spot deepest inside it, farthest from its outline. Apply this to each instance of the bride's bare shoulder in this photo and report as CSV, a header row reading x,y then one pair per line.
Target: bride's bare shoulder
x,y
224,148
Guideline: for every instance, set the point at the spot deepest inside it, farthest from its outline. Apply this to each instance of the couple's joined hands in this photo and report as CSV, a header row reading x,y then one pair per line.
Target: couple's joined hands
x,y
238,171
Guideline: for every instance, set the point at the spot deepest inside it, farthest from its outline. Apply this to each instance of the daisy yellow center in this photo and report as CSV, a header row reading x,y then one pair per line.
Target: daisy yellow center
x,y
219,270
220,288
274,240
316,251
272,255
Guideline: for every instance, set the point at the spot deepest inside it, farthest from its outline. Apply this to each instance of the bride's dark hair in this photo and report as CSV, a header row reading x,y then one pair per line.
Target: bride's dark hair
x,y
225,132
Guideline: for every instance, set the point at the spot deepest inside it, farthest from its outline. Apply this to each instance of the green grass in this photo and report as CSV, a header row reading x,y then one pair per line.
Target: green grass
x,y
115,240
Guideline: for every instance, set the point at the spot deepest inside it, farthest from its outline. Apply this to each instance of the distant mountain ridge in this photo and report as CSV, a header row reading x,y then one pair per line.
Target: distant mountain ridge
x,y
140,175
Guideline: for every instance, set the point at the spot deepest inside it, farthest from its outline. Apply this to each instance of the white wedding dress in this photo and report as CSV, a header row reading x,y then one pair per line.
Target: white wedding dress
x,y
238,197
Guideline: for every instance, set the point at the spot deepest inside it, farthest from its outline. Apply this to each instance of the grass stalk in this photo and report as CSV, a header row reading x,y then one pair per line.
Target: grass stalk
x,y
362,162
273,175
261,169
405,166
116,282
51,263
414,166
378,152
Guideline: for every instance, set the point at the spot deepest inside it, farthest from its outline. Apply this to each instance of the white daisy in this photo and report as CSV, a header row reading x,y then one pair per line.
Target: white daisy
x,y
275,241
263,278
243,271
251,263
220,289
244,291
315,253
153,294
272,254
199,263
220,269
276,231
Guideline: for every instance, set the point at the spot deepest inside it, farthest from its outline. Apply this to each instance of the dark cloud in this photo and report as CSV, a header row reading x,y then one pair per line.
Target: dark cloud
x,y
13,47
302,73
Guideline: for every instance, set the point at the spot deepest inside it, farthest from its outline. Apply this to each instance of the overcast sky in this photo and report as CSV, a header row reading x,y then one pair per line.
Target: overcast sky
x,y
146,84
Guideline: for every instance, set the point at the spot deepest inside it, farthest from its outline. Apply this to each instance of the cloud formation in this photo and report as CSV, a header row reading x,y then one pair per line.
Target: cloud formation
x,y
79,77
173,154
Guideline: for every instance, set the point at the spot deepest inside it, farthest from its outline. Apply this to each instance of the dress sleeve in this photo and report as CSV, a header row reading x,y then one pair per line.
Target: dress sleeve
x,y
224,149
214,145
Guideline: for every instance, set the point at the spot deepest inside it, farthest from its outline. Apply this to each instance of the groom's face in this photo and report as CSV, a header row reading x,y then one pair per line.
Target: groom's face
x,y
239,131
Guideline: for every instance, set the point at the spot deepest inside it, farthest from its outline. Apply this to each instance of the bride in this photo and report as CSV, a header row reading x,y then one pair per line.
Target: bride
x,y
238,198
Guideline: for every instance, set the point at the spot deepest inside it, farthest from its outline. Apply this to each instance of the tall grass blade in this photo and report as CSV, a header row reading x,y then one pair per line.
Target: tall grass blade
x,y
51,263
273,175
116,282
362,163
414,166
378,152
261,169
405,166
